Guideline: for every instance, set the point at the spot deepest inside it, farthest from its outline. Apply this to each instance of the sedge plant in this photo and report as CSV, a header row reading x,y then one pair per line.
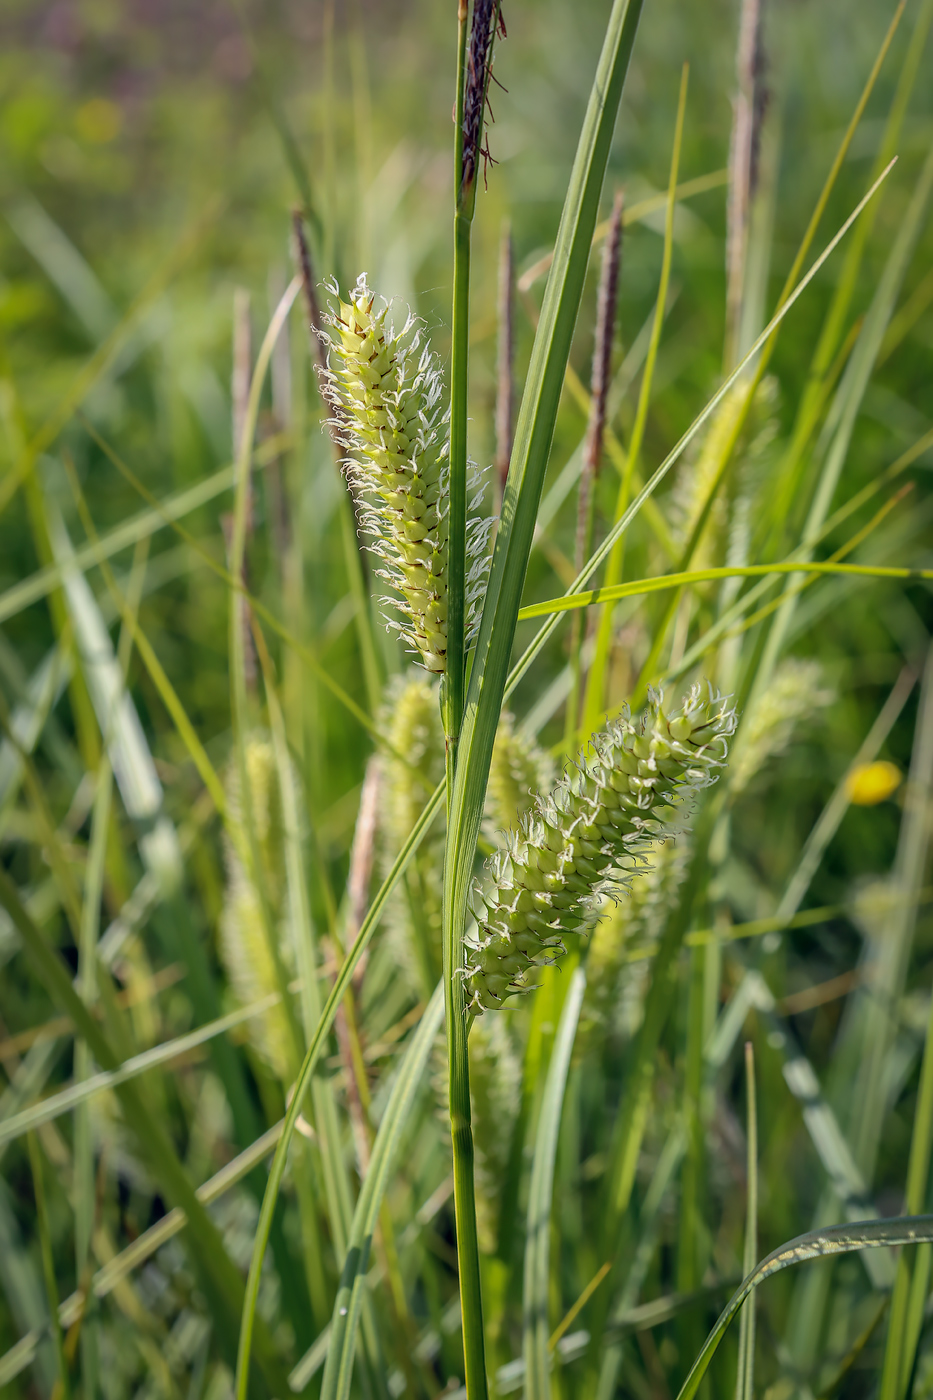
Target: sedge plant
x,y
419,1004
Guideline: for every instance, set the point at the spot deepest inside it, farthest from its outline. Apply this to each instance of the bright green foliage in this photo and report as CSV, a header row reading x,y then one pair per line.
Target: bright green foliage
x,y
640,1122
588,836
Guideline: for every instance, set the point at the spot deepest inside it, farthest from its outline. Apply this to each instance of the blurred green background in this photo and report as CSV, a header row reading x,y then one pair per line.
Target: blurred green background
x,y
151,153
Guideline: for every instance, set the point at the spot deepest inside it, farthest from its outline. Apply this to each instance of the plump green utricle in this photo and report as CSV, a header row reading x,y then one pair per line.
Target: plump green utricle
x,y
593,831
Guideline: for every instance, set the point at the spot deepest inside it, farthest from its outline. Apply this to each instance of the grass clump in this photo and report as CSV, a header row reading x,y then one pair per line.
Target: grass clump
x,y
259,1135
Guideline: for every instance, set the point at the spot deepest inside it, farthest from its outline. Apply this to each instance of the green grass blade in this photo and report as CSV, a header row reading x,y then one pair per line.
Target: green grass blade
x,y
52,1107
649,1224
85,1194
903,1335
48,1263
121,730
58,257
338,1371
106,1279
820,1244
643,586
831,817
890,974
237,585
536,1294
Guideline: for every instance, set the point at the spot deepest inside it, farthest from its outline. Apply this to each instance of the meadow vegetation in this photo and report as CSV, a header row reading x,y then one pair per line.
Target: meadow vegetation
x,y
466,700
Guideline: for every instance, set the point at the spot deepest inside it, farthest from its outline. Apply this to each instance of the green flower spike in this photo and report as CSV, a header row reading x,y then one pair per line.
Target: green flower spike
x,y
589,836
388,395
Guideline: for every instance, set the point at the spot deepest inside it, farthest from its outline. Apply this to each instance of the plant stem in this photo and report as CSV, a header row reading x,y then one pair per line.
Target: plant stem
x,y
461,1132
459,369
461,1137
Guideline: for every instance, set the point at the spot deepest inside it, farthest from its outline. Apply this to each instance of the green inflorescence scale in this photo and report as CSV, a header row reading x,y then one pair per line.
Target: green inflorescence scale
x,y
386,388
590,835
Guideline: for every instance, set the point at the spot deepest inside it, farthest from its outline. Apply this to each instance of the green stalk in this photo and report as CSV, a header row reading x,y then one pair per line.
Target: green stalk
x,y
452,693
494,644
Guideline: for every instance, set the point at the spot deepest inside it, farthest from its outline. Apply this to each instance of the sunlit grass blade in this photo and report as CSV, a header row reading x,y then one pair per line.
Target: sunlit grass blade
x,y
38,585
639,587
820,1244
537,1284
338,1372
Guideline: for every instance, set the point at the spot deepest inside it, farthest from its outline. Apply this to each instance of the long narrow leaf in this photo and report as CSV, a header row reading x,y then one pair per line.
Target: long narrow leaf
x,y
820,1244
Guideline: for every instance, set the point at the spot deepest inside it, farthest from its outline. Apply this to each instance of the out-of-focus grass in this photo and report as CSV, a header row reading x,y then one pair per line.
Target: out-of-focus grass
x,y
122,129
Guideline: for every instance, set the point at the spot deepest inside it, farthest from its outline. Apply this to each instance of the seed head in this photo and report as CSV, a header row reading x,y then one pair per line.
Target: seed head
x,y
387,390
590,835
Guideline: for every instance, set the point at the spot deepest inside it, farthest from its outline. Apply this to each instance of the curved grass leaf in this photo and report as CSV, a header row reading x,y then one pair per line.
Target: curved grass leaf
x,y
819,1244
